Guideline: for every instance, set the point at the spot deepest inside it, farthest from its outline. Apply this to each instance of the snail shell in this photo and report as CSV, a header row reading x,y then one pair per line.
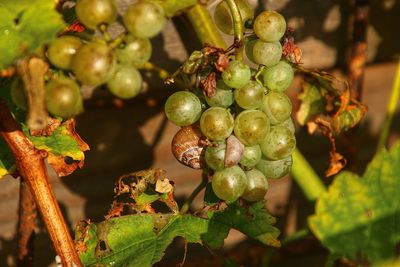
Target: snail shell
x,y
187,146
233,152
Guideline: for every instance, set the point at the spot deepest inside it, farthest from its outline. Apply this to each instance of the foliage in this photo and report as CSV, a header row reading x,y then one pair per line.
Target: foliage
x,y
362,214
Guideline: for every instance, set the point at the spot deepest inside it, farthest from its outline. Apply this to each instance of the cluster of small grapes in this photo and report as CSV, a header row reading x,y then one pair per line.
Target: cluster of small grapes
x,y
247,123
101,60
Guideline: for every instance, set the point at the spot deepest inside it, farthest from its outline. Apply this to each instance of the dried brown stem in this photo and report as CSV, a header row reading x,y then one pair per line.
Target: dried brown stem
x,y
31,166
26,226
31,72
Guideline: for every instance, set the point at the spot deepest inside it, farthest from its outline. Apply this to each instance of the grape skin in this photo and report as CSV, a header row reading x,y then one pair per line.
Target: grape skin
x,y
215,157
136,52
92,13
279,143
144,19
251,156
222,98
237,74
257,186
223,18
269,26
277,106
183,108
278,77
229,184
63,97
267,54
250,96
93,63
216,123
251,127
274,169
126,82
61,51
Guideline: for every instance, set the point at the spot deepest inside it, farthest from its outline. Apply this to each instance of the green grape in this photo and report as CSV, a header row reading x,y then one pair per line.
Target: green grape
x,y
277,106
251,156
63,97
269,26
251,127
183,108
92,13
93,64
229,184
136,52
237,74
223,18
249,96
61,51
216,123
288,124
215,156
18,95
278,77
257,186
125,82
248,48
279,143
267,54
222,98
274,169
144,19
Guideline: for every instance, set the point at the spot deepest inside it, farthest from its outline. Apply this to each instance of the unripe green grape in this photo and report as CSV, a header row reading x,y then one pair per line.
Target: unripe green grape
x,y
62,49
223,18
267,53
216,123
269,26
222,98
274,169
278,77
93,64
215,156
251,156
288,124
136,52
257,186
18,95
63,97
92,13
237,74
183,108
249,96
251,127
125,82
277,106
248,48
144,19
229,184
279,143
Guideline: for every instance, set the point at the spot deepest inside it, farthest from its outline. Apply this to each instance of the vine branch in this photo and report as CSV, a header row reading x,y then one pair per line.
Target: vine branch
x,y
31,166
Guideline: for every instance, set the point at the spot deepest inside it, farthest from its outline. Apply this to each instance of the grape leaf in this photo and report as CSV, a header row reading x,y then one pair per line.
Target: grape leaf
x,y
141,239
23,31
7,165
361,215
312,103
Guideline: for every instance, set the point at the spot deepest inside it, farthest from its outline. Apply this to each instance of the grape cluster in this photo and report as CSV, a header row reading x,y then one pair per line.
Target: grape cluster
x,y
249,106
113,62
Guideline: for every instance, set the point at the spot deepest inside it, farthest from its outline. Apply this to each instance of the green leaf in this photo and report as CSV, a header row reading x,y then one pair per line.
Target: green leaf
x,y
362,214
141,239
59,143
25,26
7,163
312,103
210,198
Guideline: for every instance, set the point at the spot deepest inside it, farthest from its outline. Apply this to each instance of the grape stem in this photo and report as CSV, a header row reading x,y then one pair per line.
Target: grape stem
x,y
391,108
237,28
31,166
197,190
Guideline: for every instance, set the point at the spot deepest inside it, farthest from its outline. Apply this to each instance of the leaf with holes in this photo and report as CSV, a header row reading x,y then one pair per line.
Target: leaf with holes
x,y
361,215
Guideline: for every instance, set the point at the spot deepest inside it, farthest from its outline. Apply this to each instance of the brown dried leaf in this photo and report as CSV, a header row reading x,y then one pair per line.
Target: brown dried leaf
x,y
209,84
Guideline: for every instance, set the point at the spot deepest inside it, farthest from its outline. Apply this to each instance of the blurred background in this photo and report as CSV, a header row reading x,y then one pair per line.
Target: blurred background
x,y
129,136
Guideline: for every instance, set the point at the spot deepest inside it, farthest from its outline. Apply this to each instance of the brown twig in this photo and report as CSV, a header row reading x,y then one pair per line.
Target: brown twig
x,y
30,164
26,226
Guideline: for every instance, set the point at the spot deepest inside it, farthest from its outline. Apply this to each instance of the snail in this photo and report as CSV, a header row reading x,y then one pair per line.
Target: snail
x,y
187,146
234,151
